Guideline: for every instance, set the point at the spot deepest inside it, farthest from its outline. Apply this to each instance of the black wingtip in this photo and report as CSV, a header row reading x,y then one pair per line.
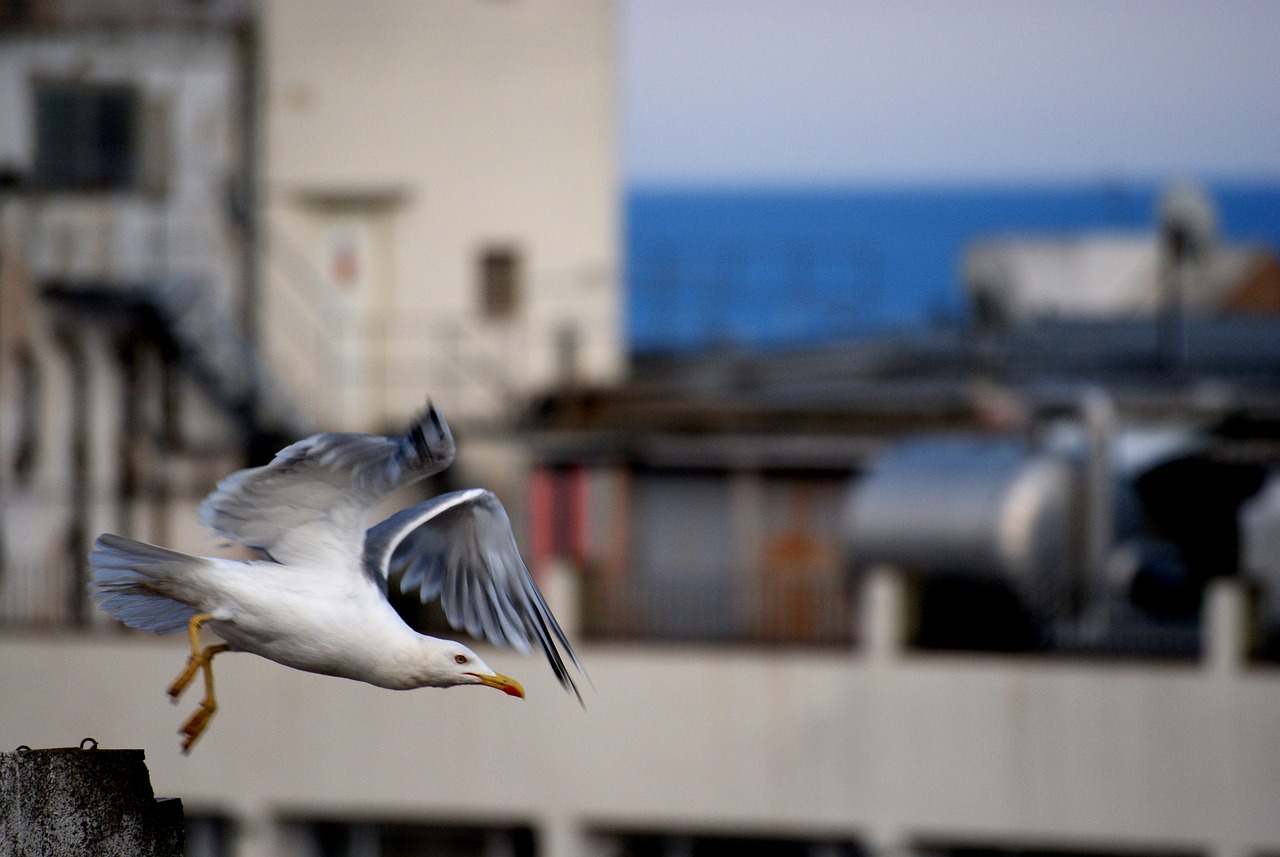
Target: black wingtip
x,y
431,439
548,633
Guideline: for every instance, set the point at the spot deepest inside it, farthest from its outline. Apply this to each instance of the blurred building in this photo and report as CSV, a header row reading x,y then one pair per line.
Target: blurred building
x,y
1081,484
440,205
130,376
226,225
1075,466
1000,590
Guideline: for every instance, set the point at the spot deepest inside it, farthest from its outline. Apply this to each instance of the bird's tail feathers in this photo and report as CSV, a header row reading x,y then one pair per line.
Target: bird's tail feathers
x,y
135,582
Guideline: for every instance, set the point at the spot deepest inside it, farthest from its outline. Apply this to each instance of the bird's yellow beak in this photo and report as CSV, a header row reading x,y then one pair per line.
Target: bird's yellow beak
x,y
507,685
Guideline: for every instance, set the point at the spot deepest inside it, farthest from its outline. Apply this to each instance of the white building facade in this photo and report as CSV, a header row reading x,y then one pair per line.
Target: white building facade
x,y
441,204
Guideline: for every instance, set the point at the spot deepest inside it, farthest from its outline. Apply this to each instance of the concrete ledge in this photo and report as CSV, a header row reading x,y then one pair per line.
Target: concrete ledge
x,y
84,801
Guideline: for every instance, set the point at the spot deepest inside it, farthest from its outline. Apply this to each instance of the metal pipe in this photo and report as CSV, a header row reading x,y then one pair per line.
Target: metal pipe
x,y
1099,414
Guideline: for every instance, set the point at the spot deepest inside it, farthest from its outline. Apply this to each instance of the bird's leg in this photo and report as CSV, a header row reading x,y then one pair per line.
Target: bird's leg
x,y
197,722
193,663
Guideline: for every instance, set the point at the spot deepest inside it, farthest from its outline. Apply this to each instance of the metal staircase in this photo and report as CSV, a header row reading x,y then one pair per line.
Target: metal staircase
x,y
221,357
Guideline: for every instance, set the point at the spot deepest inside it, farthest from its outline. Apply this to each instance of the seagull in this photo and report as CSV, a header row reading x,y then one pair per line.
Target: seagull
x,y
315,598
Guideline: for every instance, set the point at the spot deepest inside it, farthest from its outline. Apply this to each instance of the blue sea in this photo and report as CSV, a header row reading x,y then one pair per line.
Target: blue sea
x,y
778,267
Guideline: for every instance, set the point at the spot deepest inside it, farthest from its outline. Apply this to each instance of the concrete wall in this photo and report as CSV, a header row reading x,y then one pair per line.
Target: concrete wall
x,y
413,136
890,748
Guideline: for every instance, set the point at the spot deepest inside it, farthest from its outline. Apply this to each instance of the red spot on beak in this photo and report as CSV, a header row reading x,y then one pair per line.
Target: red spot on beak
x,y
509,686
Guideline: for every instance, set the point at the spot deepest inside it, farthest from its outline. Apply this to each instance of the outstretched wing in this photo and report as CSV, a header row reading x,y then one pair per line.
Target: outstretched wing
x,y
459,547
311,504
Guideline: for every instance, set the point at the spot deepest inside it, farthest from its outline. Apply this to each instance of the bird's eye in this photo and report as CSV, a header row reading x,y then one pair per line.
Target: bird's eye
x,y
462,659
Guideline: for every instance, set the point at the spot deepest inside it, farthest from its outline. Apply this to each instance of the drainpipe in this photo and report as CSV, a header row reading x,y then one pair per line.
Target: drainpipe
x,y
1175,273
81,483
248,203
1099,414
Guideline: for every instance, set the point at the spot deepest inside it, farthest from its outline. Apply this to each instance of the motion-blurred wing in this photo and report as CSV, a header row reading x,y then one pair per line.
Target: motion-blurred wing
x,y
460,547
311,504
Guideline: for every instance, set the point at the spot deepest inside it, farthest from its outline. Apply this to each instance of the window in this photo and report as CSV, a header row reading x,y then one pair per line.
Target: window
x,y
340,839
657,845
88,136
499,283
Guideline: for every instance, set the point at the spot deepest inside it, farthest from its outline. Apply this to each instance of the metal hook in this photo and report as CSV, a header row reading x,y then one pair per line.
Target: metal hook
x,y
92,742
22,750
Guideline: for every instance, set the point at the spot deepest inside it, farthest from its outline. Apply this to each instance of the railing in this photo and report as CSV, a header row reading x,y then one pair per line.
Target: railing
x,y
475,371
130,240
44,571
37,596
353,367
358,373
722,609
719,610
177,256
485,370
730,289
304,329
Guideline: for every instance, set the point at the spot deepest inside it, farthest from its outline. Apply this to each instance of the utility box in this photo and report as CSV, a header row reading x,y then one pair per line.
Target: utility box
x,y
84,801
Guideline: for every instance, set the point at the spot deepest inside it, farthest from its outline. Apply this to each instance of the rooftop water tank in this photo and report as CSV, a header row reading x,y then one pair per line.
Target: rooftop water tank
x,y
981,507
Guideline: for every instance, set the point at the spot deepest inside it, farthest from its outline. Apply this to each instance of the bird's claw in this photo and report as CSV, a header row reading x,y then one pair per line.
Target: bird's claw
x,y
184,679
195,726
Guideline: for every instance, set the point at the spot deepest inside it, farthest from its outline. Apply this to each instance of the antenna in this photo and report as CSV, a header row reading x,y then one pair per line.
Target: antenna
x,y
1188,232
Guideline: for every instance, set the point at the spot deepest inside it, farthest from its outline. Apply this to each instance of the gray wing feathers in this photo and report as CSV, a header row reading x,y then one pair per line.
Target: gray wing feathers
x,y
460,547
333,480
135,582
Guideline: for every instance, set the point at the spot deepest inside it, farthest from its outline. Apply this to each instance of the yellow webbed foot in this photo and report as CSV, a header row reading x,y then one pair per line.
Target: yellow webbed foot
x,y
195,725
200,660
184,678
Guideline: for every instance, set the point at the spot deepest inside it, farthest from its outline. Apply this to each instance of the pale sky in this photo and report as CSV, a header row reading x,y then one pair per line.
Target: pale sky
x,y
812,91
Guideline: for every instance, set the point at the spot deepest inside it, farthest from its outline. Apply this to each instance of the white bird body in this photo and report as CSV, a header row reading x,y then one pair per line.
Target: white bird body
x,y
316,600
317,622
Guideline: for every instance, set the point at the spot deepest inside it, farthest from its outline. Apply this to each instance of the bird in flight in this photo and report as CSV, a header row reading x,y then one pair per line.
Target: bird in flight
x,y
315,599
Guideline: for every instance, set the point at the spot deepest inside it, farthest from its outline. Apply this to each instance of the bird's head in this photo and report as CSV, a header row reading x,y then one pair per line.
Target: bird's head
x,y
460,665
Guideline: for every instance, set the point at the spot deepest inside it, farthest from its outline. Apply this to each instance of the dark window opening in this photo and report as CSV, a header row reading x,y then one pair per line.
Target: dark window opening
x,y
655,845
499,282
87,136
335,839
937,850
